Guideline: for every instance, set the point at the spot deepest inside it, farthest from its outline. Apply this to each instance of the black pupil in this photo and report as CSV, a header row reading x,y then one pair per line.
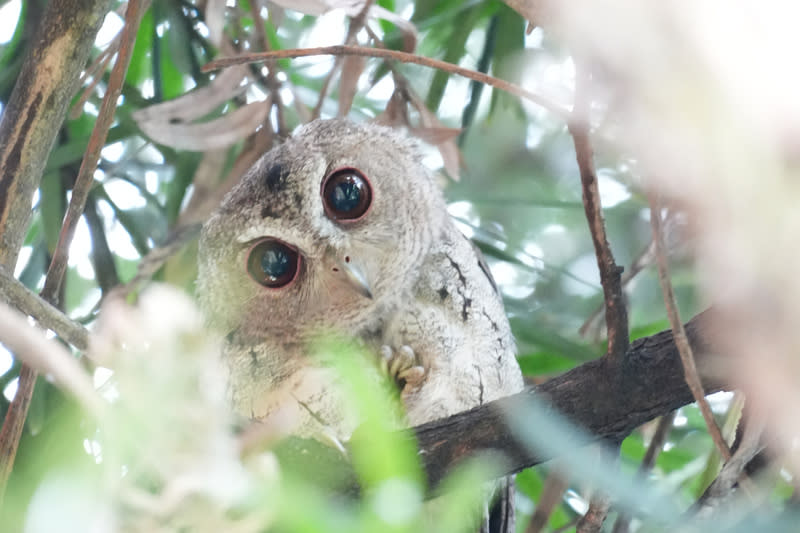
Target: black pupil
x,y
272,264
346,193
275,262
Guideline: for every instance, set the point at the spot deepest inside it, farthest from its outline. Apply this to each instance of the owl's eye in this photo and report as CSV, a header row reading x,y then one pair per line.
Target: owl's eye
x,y
273,263
346,195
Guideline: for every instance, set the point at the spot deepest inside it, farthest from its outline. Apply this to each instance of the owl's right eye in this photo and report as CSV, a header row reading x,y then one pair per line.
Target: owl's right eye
x,y
273,263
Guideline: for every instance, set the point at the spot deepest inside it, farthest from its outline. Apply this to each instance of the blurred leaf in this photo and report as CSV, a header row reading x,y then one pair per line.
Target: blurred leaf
x,y
36,266
544,363
460,31
508,47
140,66
52,206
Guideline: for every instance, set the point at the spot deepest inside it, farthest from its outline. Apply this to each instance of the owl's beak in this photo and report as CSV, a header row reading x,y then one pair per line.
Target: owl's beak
x,y
355,275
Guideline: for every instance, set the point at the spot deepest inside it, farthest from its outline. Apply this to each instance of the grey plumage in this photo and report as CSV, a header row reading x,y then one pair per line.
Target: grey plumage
x,y
429,290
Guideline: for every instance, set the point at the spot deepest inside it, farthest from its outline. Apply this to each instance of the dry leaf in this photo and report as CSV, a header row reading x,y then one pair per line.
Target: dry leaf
x,y
196,103
396,112
218,133
408,30
205,180
429,123
531,10
436,135
320,7
215,20
352,67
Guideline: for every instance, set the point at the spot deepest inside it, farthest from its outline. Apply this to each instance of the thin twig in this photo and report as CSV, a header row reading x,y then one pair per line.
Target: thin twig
x,y
679,333
85,178
403,57
610,272
17,295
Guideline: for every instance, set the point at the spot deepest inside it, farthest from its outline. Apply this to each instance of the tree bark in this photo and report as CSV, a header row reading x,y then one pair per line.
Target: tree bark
x,y
606,400
36,109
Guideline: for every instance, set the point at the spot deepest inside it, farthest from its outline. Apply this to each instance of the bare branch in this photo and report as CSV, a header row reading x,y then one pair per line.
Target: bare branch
x,y
18,296
403,57
47,356
610,272
553,490
681,341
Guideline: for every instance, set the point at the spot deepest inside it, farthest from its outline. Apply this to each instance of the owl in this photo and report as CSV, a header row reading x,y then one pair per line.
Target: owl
x,y
341,228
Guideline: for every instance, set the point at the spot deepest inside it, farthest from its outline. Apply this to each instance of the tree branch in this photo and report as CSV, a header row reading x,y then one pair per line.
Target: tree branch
x,y
18,296
28,127
608,400
684,349
610,272
37,106
402,57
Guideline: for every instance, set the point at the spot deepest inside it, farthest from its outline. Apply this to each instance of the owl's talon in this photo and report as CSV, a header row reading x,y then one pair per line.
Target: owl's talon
x,y
413,376
401,364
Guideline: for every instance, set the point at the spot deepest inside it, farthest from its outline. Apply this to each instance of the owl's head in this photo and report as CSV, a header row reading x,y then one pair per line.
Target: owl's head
x,y
327,230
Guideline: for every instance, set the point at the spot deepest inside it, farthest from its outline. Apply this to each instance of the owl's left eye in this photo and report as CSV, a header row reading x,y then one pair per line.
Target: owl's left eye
x,y
273,263
346,195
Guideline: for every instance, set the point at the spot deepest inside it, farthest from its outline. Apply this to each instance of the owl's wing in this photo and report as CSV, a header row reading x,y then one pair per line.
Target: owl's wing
x,y
456,325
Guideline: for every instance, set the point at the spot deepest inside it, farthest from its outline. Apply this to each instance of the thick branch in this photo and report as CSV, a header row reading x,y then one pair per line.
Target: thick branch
x,y
36,108
607,400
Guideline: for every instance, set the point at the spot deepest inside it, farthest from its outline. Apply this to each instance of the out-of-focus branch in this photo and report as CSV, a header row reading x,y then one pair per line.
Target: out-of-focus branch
x,y
610,272
28,127
553,490
32,348
18,296
681,341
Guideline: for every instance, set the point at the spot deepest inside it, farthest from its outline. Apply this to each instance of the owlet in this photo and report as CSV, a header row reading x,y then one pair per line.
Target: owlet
x,y
342,229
